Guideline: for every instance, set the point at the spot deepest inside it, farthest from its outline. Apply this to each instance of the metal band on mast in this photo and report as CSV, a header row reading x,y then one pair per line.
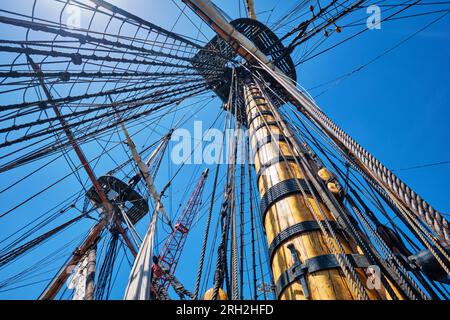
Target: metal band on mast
x,y
302,265
384,177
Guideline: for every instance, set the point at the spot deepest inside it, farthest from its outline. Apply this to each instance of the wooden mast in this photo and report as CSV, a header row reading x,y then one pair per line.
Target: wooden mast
x,y
250,4
312,238
403,196
52,290
289,212
90,277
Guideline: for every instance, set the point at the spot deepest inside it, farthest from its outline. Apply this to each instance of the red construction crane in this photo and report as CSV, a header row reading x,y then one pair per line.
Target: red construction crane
x,y
173,247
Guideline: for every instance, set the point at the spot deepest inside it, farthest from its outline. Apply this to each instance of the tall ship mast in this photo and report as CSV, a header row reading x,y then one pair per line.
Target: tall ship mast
x,y
107,194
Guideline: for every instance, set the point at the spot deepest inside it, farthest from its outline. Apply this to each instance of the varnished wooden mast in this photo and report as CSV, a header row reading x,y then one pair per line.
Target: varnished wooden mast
x,y
250,4
292,211
403,196
302,249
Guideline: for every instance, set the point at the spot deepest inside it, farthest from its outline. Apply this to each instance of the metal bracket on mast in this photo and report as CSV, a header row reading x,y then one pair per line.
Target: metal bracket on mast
x,y
300,271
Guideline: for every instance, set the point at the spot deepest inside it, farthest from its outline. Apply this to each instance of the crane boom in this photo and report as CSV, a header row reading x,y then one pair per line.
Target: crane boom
x,y
173,247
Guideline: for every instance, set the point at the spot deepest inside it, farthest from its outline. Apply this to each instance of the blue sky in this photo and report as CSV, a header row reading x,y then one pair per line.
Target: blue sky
x,y
397,107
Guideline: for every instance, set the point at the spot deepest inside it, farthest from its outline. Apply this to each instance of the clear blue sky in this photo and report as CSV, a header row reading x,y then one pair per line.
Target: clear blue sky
x,y
397,107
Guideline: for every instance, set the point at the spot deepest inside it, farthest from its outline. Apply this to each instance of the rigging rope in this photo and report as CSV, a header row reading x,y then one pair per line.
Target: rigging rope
x,y
207,227
10,256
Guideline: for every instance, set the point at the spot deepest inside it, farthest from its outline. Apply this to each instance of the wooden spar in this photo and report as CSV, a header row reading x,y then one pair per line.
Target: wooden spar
x,y
330,284
108,6
365,161
90,276
131,293
143,167
251,9
53,289
85,163
327,284
56,284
